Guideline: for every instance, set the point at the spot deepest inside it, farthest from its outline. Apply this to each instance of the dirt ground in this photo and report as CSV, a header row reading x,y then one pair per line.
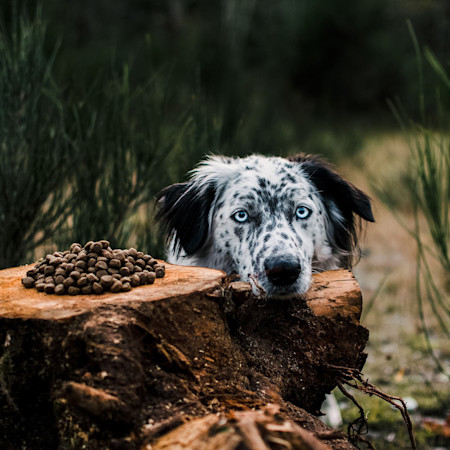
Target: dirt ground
x,y
398,361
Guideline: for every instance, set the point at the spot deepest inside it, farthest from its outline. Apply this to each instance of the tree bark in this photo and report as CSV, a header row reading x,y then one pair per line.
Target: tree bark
x,y
192,361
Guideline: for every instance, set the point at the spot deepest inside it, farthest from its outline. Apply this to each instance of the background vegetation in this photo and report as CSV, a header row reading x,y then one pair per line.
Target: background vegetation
x,y
131,94
104,103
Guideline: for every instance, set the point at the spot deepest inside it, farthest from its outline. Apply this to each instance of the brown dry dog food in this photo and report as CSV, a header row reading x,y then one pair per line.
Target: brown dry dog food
x,y
93,269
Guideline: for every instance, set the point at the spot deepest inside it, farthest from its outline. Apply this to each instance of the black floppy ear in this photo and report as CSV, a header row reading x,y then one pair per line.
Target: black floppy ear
x,y
341,195
185,209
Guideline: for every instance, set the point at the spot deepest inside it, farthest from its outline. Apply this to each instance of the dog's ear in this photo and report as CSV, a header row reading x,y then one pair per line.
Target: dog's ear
x,y
185,209
342,200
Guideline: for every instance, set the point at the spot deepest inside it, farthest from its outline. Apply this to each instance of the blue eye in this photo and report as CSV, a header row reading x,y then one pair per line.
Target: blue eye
x,y
303,212
240,216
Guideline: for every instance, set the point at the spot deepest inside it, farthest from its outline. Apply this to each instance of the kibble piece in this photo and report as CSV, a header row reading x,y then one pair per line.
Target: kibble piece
x,y
49,288
60,271
28,282
101,273
159,271
120,256
91,277
82,281
75,274
56,261
130,266
86,289
107,281
32,272
81,265
70,267
126,280
138,269
105,243
140,262
97,288
151,277
124,271
112,271
152,261
40,287
91,269
73,290
143,276
126,287
68,282
96,247
59,279
82,256
91,262
135,280
49,270
101,265
132,252
60,289
75,248
115,263
107,254
116,276
116,286
131,260
87,246
49,280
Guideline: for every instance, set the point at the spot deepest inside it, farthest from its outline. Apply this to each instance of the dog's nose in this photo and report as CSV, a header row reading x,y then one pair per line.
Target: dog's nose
x,y
282,271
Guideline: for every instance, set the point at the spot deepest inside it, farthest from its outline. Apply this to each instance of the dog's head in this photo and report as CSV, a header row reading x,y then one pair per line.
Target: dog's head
x,y
272,220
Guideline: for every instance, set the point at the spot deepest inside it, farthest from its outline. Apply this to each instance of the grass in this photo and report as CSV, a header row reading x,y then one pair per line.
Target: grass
x,y
33,141
399,361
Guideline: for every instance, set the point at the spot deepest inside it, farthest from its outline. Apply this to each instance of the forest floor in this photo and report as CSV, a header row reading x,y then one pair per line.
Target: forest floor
x,y
398,360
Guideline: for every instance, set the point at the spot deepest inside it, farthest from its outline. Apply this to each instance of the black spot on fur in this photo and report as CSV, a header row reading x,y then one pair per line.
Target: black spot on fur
x,y
239,232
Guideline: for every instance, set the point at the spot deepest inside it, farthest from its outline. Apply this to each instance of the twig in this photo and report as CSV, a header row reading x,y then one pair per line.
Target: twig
x,y
348,375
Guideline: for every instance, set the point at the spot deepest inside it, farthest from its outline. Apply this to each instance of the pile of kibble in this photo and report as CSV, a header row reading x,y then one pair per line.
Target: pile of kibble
x,y
93,269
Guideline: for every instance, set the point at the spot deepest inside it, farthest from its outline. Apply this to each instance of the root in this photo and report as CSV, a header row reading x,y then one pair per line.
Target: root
x,y
354,378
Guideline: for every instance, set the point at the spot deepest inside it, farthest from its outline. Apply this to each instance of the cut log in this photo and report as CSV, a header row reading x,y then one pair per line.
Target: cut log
x,y
130,370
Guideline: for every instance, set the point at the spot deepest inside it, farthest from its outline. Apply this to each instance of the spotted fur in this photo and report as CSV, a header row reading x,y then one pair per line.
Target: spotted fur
x,y
276,247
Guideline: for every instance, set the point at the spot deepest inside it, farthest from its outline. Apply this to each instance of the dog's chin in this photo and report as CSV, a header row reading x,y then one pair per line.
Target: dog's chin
x,y
290,291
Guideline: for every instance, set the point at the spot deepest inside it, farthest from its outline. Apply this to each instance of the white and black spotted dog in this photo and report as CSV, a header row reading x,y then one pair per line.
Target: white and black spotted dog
x,y
273,221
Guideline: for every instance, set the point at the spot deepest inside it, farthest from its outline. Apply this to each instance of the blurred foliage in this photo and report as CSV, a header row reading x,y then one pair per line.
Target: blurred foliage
x,y
140,90
427,184
33,143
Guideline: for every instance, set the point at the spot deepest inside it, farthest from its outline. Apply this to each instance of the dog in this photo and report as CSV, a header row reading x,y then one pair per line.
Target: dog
x,y
274,221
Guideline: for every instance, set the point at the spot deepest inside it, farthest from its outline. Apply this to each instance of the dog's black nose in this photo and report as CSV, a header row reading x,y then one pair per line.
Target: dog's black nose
x,y
282,271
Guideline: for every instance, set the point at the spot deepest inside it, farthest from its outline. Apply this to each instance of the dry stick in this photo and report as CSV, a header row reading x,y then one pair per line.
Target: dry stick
x,y
354,434
349,374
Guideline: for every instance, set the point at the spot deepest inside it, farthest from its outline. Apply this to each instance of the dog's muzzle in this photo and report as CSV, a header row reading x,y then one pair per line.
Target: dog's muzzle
x,y
282,271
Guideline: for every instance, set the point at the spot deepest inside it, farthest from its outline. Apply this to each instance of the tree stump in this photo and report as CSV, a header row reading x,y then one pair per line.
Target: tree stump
x,y
193,361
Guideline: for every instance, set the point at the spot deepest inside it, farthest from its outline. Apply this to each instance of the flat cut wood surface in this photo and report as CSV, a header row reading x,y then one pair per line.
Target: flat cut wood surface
x,y
331,293
18,302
